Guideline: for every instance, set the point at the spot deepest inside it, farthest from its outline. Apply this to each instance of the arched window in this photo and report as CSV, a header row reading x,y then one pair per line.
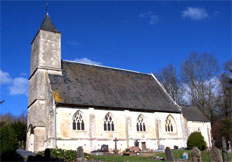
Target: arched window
x,y
169,126
78,121
141,125
108,123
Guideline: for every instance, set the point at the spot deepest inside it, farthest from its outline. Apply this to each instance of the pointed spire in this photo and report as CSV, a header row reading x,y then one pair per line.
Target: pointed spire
x,y
48,25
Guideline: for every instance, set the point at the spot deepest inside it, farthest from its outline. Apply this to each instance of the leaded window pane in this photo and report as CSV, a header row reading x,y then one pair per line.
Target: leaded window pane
x,y
108,123
141,126
78,122
74,125
169,124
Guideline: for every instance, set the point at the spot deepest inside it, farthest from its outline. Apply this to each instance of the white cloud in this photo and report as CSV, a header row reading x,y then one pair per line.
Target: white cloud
x,y
195,13
86,61
73,43
4,78
150,14
154,19
19,86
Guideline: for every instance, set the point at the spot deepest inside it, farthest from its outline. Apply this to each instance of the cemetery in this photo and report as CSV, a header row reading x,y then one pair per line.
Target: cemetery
x,y
194,155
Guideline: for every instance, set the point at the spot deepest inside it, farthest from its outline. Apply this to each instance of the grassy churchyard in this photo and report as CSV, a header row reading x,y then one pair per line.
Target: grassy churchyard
x,y
176,153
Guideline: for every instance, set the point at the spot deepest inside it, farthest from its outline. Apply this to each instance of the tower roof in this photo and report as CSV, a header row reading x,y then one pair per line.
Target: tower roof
x,y
48,25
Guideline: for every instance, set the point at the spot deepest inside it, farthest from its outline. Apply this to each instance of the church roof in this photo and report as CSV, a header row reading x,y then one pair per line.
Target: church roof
x,y
48,25
194,114
103,87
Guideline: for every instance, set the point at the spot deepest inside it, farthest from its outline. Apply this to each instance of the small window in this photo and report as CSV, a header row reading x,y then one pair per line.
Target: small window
x,y
141,126
78,121
108,123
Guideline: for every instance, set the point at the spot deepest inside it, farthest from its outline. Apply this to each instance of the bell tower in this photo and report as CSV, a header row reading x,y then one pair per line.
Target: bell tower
x,y
45,59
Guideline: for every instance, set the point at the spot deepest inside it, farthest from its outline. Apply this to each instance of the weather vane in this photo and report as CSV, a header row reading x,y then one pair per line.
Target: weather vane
x,y
46,9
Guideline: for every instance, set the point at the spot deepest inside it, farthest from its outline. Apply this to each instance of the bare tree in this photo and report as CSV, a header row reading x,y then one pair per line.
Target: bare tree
x,y
226,104
199,73
168,77
226,89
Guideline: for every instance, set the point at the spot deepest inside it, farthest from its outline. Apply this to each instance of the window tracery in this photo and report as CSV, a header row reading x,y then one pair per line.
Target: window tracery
x,y
78,121
169,126
108,123
141,126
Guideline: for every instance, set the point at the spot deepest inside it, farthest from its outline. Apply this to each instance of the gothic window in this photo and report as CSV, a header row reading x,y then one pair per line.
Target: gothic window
x,y
141,126
78,121
108,123
169,126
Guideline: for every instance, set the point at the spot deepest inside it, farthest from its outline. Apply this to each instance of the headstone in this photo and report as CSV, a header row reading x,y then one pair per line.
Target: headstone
x,y
185,156
215,155
168,153
105,148
47,154
115,146
80,154
196,155
136,143
161,147
224,149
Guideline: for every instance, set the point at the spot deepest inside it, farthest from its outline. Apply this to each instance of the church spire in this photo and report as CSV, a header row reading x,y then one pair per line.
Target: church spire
x,y
47,25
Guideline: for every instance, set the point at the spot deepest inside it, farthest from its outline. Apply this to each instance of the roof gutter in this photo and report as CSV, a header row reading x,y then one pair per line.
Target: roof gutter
x,y
58,104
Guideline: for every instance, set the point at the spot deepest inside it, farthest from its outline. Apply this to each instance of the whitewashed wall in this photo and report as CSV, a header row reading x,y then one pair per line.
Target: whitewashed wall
x,y
203,127
125,130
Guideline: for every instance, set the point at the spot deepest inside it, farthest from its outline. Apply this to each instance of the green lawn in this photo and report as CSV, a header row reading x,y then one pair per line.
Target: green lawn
x,y
176,153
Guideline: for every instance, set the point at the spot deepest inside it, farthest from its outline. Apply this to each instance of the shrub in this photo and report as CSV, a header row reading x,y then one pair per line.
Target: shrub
x,y
66,155
196,140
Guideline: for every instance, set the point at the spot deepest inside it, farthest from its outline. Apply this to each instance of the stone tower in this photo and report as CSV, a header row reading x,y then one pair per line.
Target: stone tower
x,y
45,59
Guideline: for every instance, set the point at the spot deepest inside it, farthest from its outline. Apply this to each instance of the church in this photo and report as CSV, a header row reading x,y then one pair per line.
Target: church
x,y
73,104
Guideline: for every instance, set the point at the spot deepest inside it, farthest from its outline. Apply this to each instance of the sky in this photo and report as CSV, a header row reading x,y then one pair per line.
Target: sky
x,y
143,36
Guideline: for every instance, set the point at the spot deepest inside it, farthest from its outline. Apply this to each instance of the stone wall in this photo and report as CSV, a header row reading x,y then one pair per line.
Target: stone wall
x,y
45,59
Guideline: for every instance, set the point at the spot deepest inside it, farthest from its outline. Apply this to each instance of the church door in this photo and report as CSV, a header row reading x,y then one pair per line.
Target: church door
x,y
144,146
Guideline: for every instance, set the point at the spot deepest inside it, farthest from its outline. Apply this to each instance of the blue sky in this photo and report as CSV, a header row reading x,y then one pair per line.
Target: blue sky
x,y
134,35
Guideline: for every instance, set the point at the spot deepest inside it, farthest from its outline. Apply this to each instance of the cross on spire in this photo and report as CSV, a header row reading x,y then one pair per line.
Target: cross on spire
x,y
46,8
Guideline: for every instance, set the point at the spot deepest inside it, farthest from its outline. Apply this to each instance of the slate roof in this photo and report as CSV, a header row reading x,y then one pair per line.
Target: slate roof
x,y
48,25
103,87
194,114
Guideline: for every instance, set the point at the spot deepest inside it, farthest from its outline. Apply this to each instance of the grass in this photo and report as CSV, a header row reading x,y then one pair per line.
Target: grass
x,y
176,153
124,158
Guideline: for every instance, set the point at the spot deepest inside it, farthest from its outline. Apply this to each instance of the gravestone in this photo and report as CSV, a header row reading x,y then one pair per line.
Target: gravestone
x,y
215,155
80,154
47,154
185,156
104,148
224,149
196,155
161,147
136,143
168,153
115,146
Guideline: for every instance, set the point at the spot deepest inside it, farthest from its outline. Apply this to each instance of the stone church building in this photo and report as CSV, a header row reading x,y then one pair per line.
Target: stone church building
x,y
73,104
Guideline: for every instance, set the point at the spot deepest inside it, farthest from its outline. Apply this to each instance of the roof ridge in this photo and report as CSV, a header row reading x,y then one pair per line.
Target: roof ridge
x,y
114,68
